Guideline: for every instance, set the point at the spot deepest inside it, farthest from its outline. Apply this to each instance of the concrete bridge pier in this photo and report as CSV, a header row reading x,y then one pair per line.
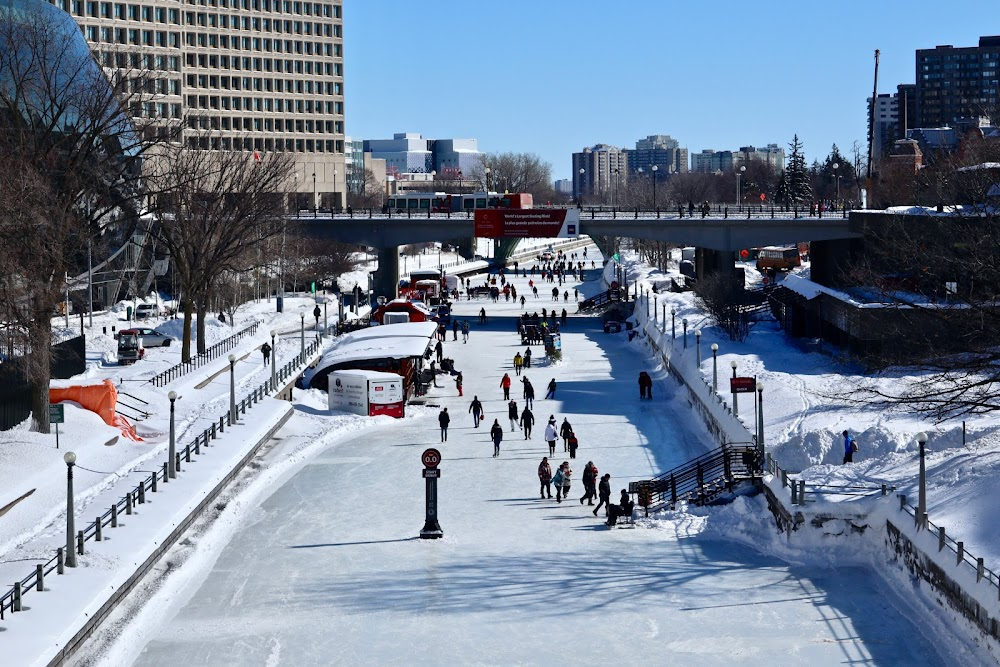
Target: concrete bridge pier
x,y
387,277
709,263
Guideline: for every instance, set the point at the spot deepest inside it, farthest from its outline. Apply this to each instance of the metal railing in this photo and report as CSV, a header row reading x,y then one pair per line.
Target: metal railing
x,y
199,360
945,541
700,479
12,599
609,212
800,492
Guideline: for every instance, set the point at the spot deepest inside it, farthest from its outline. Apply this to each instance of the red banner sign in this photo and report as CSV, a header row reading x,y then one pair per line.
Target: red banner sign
x,y
742,385
551,223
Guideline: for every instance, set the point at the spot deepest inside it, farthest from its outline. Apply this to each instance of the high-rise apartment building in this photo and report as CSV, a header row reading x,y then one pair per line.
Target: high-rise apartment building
x,y
660,150
599,171
710,161
247,75
772,155
956,83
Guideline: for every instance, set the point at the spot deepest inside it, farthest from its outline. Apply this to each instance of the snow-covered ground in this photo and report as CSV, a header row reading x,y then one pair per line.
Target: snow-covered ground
x,y
314,561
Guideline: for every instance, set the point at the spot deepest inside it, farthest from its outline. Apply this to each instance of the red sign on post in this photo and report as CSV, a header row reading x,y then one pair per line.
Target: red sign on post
x,y
549,223
431,458
742,385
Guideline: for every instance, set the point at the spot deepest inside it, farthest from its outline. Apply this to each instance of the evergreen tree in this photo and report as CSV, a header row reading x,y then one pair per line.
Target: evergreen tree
x,y
796,175
781,191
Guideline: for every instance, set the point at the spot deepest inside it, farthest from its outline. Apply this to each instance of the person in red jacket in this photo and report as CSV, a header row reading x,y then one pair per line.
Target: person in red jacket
x,y
505,385
545,477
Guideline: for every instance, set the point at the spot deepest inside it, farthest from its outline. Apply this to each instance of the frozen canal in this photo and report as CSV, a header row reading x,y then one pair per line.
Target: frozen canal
x,y
327,569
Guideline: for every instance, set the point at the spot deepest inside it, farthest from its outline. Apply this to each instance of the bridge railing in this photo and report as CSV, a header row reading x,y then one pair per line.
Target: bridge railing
x,y
714,212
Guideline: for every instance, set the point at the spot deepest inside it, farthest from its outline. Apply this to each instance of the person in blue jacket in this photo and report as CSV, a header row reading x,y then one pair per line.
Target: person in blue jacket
x,y
849,447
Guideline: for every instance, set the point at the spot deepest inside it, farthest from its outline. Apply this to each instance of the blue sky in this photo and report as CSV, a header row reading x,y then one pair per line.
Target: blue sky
x,y
552,76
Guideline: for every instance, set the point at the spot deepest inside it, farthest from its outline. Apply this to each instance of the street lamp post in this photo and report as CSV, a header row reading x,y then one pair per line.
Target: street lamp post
x,y
315,197
487,171
836,166
673,323
232,388
302,337
736,407
171,451
580,190
616,188
655,168
922,491
684,322
70,459
715,368
274,358
760,417
739,191
697,346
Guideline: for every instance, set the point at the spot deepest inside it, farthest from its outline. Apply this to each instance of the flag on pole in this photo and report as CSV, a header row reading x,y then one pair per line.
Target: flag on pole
x,y
256,156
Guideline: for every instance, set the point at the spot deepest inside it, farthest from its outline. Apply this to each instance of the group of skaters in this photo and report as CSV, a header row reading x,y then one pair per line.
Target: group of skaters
x,y
592,489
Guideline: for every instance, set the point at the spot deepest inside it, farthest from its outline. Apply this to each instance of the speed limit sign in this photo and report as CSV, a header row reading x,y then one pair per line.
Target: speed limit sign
x,y
431,458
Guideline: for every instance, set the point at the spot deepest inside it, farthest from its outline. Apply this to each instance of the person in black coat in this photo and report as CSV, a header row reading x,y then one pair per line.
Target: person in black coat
x,y
604,494
476,408
439,351
551,393
496,433
444,419
512,414
565,430
527,421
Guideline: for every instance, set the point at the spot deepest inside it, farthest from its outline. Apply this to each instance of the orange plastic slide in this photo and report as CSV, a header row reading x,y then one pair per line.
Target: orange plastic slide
x,y
98,398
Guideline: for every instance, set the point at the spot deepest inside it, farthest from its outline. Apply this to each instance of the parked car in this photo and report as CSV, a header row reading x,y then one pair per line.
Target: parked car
x,y
150,337
145,310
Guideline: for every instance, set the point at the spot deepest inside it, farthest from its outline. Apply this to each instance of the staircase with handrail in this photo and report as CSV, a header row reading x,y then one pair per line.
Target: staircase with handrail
x,y
702,480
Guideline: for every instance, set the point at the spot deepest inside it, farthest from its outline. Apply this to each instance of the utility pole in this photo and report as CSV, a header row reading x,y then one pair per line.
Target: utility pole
x,y
870,180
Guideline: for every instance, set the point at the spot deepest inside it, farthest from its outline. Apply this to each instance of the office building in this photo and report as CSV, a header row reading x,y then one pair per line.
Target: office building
x,y
772,155
244,75
598,171
710,161
660,150
955,83
411,153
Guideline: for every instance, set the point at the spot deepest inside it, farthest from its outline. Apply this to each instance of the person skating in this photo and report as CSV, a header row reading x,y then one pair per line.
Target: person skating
x,y
433,370
512,414
476,408
565,430
439,351
482,316
545,478
551,434
265,349
645,385
527,357
551,393
505,385
567,475
527,421
603,494
496,433
444,420
573,443
522,301
529,392
589,483
557,481
465,332
518,363
564,316
458,383
455,326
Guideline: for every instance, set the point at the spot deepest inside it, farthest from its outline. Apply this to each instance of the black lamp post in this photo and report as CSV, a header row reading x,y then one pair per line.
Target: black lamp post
x,y
922,491
171,451
70,459
736,407
715,368
655,169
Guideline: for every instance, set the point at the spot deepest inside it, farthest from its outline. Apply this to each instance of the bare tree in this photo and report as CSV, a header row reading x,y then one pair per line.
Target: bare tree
x,y
366,192
516,172
723,298
215,206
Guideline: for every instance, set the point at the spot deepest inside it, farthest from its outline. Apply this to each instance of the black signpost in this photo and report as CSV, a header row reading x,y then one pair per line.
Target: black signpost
x,y
432,529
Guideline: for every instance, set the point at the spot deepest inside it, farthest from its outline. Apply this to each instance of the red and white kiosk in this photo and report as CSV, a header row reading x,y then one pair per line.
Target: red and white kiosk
x,y
369,393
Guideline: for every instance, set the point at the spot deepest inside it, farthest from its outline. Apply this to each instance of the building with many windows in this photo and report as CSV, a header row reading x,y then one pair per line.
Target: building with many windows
x,y
710,161
244,75
411,153
955,83
660,150
598,172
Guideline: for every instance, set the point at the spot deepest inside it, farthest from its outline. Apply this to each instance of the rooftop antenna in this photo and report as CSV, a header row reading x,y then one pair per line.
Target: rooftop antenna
x,y
871,133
